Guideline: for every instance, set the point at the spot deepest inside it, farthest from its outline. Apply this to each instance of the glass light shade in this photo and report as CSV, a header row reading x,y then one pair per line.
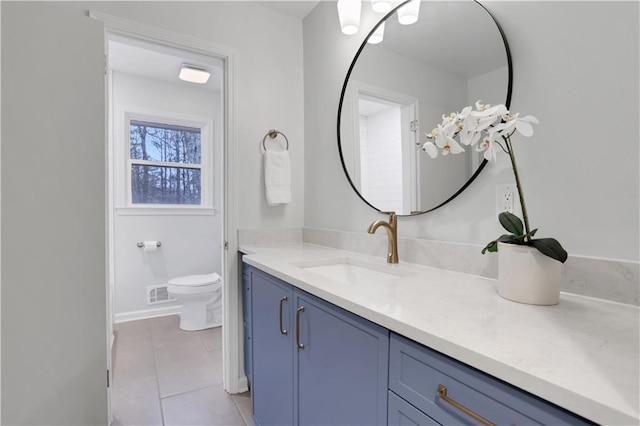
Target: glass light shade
x,y
408,14
377,36
349,15
193,74
381,6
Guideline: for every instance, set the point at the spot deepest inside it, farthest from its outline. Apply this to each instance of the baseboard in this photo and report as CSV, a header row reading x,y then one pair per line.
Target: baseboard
x,y
148,313
243,384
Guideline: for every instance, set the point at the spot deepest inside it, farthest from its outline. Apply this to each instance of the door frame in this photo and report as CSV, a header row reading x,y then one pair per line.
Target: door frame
x,y
234,378
410,111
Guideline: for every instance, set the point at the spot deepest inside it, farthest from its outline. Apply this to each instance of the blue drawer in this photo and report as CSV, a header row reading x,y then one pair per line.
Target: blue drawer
x,y
415,372
401,413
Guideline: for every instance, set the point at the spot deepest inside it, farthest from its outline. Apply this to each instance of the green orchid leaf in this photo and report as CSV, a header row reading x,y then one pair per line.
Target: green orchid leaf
x,y
492,247
532,233
511,223
550,247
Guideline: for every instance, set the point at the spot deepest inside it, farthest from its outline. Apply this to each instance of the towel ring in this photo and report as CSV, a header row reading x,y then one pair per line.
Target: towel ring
x,y
274,134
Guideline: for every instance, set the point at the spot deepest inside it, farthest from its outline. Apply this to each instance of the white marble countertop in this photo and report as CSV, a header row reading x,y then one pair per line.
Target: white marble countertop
x,y
582,354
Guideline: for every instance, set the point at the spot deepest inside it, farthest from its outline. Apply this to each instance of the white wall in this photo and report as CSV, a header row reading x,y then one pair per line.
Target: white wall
x,y
269,86
381,159
579,171
53,218
191,244
53,298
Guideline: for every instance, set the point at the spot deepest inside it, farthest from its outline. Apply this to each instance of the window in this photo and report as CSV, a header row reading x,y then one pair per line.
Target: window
x,y
165,163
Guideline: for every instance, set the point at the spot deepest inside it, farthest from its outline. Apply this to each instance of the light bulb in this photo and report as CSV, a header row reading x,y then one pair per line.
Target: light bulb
x,y
408,14
349,15
377,36
381,6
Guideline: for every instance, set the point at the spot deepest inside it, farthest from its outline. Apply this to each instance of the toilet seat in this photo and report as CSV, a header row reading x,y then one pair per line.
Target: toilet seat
x,y
196,280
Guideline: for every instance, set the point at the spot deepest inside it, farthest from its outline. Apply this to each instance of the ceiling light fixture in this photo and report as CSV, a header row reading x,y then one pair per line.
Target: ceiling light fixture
x,y
194,74
377,36
408,14
349,15
381,6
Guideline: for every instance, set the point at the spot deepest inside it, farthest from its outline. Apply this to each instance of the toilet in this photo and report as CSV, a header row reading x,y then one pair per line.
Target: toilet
x,y
201,299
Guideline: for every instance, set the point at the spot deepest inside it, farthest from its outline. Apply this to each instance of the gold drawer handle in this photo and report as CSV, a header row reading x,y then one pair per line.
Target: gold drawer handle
x,y
282,330
300,345
442,393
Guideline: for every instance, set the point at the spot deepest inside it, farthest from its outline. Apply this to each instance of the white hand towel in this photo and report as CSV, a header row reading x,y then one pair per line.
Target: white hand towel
x,y
277,177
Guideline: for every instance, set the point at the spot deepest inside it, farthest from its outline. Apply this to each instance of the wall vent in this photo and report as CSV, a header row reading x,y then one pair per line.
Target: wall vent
x,y
158,294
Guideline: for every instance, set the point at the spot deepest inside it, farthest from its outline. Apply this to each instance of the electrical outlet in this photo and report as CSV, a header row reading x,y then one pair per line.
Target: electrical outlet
x,y
505,198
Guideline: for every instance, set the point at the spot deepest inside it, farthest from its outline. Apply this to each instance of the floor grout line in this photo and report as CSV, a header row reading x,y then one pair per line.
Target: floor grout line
x,y
155,367
148,329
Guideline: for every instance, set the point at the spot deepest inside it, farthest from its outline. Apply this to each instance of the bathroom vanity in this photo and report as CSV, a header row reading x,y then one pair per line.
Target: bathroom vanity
x,y
335,337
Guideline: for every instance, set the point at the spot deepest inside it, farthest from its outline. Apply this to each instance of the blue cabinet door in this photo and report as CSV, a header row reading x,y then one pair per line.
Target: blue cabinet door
x,y
272,372
342,371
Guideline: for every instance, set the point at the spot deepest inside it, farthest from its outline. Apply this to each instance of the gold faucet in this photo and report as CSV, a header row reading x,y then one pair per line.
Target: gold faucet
x,y
392,233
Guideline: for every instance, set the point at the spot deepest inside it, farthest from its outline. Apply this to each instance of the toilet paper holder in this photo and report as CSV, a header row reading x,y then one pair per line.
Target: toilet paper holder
x,y
140,244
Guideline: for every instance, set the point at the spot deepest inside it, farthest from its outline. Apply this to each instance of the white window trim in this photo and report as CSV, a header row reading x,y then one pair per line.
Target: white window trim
x,y
205,124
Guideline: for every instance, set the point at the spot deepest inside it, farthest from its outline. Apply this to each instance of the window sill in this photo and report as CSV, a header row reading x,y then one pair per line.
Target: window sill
x,y
165,211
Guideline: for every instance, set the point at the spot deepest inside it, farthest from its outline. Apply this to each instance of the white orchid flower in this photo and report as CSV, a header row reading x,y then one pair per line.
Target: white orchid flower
x,y
475,122
432,134
431,149
513,121
482,107
443,139
488,116
488,147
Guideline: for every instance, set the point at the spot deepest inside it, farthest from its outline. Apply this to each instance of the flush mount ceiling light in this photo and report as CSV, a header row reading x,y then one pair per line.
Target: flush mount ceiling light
x,y
349,15
381,6
193,74
377,36
408,14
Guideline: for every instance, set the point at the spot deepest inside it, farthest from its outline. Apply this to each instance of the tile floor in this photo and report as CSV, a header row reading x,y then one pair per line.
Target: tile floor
x,y
165,376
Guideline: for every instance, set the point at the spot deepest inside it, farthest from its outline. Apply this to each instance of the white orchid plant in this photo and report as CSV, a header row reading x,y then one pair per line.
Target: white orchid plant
x,y
485,129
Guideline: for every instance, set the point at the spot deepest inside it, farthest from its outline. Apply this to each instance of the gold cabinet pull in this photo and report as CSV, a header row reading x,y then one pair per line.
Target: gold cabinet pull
x,y
442,393
300,345
282,330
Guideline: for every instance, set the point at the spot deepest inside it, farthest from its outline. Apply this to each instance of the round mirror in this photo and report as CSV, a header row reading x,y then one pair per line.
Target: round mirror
x,y
398,89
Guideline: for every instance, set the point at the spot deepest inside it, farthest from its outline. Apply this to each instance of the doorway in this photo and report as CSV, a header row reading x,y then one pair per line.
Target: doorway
x,y
217,202
385,163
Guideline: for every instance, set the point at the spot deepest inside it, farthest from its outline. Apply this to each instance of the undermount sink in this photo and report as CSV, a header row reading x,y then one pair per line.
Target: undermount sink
x,y
353,271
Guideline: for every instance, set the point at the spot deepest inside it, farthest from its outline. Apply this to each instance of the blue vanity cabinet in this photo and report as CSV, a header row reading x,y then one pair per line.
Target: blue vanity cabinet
x,y
416,372
329,368
272,350
342,366
246,320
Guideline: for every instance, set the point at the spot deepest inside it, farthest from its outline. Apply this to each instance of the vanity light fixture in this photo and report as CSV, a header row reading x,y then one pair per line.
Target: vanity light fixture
x,y
193,74
408,14
349,15
377,36
381,6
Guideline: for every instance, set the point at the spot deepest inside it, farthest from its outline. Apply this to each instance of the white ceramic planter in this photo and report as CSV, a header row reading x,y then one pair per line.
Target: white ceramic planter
x,y
527,276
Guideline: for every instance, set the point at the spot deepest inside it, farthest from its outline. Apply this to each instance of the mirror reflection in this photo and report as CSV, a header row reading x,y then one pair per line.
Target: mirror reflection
x,y
399,89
